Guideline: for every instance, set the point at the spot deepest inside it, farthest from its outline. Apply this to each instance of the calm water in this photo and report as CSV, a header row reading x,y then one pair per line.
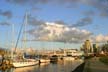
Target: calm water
x,y
62,66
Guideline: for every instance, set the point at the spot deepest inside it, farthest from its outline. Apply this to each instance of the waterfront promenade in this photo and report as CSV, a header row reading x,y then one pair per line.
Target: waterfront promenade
x,y
94,65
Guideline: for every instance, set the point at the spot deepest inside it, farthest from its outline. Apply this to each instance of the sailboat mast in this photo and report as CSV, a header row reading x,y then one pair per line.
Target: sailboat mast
x,y
19,34
12,40
25,23
12,35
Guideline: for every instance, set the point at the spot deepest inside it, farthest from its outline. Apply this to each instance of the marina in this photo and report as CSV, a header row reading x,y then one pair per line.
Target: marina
x,y
53,35
63,66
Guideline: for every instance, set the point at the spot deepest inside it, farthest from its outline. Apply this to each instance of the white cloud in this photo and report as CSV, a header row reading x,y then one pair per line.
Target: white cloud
x,y
59,32
101,38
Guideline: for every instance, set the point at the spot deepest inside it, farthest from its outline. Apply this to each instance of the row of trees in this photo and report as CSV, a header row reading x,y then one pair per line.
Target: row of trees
x,y
105,48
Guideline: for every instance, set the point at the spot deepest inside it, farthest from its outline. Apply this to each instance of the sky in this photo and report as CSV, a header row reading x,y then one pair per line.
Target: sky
x,y
53,24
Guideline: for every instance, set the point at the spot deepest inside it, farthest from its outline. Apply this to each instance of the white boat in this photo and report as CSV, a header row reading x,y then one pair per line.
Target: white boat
x,y
25,63
20,61
44,60
68,58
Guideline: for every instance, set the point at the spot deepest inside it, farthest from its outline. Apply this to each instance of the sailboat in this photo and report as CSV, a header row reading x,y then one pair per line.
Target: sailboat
x,y
68,55
25,62
21,61
44,59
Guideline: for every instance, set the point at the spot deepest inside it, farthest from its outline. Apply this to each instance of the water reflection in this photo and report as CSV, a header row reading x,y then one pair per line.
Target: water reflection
x,y
62,66
25,69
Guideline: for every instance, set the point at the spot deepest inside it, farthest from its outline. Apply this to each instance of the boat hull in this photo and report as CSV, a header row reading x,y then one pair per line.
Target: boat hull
x,y
69,58
24,64
44,60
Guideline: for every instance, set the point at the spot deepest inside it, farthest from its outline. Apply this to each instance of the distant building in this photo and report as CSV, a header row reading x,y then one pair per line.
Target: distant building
x,y
87,47
72,52
95,48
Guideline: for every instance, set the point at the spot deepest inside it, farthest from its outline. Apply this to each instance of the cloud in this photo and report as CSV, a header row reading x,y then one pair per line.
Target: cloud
x,y
83,22
104,14
101,38
59,22
5,23
58,33
35,2
89,13
35,9
7,13
23,2
100,5
34,21
17,1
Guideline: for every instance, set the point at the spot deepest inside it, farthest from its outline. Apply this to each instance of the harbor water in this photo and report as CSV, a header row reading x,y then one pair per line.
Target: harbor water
x,y
61,66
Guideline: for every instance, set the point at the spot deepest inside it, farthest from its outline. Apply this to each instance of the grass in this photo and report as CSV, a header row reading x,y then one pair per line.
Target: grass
x,y
104,59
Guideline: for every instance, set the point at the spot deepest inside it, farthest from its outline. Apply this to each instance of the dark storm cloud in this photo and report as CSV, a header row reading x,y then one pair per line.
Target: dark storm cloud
x,y
7,14
83,22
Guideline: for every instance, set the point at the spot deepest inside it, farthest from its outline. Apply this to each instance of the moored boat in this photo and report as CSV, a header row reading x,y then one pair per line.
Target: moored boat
x,y
44,60
68,58
54,58
20,60
25,63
